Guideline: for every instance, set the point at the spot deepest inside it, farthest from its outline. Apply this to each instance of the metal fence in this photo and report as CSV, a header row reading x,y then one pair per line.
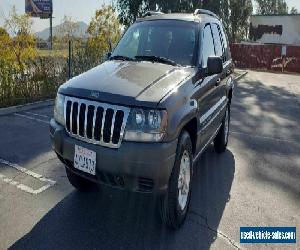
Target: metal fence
x,y
267,57
43,75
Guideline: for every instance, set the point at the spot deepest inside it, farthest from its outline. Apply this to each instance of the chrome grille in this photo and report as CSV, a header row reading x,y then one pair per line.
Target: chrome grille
x,y
96,123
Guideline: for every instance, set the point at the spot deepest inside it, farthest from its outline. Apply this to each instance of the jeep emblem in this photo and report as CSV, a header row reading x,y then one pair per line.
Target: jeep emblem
x,y
95,94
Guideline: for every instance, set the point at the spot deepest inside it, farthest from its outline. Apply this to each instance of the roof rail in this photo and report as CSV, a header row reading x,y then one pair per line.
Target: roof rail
x,y
153,13
207,12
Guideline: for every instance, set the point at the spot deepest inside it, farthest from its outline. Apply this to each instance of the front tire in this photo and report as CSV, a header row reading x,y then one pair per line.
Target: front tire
x,y
221,140
79,183
175,204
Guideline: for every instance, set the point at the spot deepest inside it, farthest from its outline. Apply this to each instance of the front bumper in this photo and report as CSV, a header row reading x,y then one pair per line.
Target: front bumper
x,y
138,167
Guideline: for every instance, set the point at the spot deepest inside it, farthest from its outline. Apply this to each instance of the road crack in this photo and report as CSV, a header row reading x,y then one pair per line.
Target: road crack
x,y
218,232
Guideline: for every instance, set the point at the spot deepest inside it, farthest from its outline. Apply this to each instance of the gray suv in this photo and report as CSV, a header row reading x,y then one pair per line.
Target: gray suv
x,y
140,120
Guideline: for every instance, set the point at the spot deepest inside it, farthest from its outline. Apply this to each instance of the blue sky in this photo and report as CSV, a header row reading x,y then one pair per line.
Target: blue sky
x,y
80,10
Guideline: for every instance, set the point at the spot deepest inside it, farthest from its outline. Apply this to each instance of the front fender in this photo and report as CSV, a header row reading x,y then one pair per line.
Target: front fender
x,y
181,107
180,116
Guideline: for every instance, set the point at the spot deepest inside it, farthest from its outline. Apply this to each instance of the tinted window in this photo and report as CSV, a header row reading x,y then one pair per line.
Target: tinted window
x,y
224,37
224,42
175,40
217,39
208,45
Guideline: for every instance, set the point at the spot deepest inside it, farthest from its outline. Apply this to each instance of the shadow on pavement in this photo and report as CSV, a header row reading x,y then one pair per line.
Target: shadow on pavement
x,y
112,219
267,110
270,113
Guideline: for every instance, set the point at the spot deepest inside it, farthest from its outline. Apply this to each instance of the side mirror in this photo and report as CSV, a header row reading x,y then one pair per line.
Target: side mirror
x,y
214,65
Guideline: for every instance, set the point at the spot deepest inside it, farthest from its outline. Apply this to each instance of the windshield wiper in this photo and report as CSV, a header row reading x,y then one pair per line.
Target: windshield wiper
x,y
122,58
157,59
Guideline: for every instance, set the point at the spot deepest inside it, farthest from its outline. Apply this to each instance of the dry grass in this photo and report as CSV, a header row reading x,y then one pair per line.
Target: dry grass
x,y
53,53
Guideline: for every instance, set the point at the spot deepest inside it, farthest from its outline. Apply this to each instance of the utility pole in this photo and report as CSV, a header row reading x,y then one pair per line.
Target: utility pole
x,y
51,33
70,59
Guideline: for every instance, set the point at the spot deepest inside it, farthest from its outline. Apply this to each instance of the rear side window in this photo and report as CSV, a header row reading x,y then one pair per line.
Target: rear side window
x,y
217,39
224,37
224,43
208,45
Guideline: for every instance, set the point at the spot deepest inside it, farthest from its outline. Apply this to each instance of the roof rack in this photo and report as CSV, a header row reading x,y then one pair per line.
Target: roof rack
x,y
207,12
153,13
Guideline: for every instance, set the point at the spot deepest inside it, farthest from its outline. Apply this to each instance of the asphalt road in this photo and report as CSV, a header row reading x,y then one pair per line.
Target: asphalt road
x,y
255,183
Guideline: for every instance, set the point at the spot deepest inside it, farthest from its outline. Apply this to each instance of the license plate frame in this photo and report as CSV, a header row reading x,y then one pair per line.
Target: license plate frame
x,y
85,160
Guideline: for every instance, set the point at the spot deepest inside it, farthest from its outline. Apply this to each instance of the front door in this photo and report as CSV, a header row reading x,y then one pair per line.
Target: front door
x,y
208,92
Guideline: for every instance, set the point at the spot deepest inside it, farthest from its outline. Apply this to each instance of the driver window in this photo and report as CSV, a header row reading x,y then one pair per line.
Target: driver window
x,y
208,45
130,43
133,45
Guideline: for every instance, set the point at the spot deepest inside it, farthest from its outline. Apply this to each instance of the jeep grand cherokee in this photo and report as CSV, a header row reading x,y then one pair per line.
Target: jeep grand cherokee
x,y
140,120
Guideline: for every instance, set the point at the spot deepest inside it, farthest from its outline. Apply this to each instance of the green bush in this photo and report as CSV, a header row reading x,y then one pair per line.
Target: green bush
x,y
39,81
42,76
85,58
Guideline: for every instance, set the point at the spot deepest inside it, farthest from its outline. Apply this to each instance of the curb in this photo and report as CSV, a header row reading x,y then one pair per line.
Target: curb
x,y
15,109
241,76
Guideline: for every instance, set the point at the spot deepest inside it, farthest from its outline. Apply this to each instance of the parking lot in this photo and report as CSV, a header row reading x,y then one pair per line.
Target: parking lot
x,y
254,183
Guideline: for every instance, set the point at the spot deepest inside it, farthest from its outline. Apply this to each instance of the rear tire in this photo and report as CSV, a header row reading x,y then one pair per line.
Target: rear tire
x,y
79,183
221,140
175,204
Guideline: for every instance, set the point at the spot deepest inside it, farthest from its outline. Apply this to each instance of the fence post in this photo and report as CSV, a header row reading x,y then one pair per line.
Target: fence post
x,y
70,59
283,56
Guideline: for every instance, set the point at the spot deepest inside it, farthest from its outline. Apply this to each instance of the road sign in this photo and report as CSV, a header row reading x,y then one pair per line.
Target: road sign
x,y
39,8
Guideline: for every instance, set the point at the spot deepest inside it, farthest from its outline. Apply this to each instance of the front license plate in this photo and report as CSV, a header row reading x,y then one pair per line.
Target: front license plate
x,y
85,160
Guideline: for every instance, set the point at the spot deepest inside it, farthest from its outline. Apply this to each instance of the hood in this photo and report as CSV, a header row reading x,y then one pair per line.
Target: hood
x,y
127,83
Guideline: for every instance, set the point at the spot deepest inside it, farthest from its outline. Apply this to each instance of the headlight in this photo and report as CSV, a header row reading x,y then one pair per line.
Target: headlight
x,y
138,118
59,109
146,125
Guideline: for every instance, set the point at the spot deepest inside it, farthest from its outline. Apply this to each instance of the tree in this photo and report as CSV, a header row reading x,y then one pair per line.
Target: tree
x,y
6,54
234,13
224,14
6,59
23,42
104,29
214,6
238,25
129,10
293,11
272,7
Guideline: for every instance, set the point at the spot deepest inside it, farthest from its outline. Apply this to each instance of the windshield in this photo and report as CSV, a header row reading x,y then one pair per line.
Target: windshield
x,y
172,40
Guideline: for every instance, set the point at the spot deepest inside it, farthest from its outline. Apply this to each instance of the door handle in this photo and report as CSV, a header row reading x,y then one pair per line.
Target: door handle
x,y
218,82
